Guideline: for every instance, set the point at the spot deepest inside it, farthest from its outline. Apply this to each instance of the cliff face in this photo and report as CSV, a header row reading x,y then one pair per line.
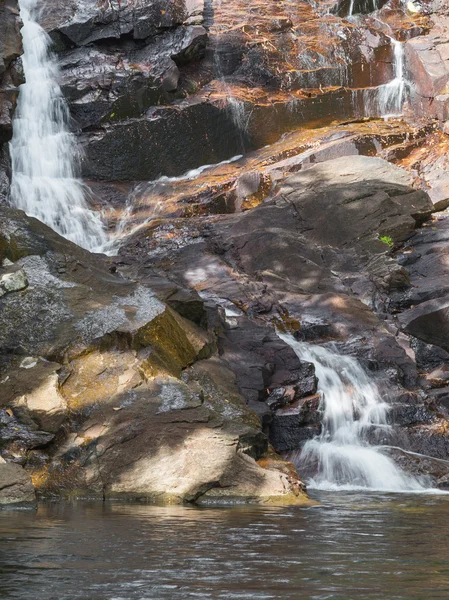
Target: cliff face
x,y
158,374
141,94
10,78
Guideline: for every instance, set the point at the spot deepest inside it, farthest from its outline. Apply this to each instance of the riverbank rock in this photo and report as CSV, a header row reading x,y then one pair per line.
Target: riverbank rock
x,y
108,392
15,486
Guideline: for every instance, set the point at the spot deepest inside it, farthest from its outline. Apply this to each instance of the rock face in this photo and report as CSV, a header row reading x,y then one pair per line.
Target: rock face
x,y
108,392
427,59
221,77
10,78
315,257
159,374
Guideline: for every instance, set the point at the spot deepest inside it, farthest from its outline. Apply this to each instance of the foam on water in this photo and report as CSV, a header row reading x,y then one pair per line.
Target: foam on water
x,y
341,457
43,151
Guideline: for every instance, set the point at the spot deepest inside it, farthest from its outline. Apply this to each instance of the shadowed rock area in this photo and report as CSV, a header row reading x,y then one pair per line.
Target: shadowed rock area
x,y
109,392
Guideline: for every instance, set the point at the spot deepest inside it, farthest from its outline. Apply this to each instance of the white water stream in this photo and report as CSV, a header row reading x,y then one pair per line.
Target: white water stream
x,y
391,95
43,151
341,456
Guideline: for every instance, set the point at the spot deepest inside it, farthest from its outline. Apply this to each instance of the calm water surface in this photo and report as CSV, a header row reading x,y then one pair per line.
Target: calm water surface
x,y
350,547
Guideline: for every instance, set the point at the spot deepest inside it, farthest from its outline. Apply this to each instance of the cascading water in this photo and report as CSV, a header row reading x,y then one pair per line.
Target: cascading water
x,y
43,151
391,95
341,456
387,100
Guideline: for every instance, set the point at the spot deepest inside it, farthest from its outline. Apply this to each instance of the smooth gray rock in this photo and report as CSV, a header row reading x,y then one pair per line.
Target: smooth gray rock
x,y
15,485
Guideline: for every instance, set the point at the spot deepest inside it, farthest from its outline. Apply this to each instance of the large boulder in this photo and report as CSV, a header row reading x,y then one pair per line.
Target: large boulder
x,y
110,392
170,441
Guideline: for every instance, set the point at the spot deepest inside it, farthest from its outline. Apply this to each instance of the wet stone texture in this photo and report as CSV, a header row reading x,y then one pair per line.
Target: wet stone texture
x,y
10,79
158,374
223,77
109,392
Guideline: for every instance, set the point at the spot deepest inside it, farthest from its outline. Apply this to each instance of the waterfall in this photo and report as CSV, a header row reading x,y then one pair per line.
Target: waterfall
x,y
341,456
387,100
43,151
391,95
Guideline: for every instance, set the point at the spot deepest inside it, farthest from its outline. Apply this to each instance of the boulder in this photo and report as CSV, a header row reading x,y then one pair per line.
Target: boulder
x,y
108,392
170,441
16,487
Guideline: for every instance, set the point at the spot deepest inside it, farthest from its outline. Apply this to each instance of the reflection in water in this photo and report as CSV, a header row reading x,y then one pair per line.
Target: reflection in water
x,y
350,546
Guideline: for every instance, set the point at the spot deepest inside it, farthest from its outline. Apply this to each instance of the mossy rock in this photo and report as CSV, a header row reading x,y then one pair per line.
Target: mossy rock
x,y
172,350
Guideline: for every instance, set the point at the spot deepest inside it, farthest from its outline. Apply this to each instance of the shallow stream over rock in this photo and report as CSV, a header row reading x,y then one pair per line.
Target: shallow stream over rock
x,y
347,547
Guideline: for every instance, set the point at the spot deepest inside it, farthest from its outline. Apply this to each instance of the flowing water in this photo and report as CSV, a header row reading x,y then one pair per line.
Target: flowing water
x,y
349,547
341,457
387,100
154,192
43,151
391,95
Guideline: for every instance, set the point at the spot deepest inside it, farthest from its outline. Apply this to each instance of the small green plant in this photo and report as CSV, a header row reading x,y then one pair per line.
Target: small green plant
x,y
386,239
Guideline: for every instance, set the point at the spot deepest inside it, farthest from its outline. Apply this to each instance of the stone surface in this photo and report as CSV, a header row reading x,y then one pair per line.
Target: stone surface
x,y
108,392
13,282
15,486
158,375
308,259
427,65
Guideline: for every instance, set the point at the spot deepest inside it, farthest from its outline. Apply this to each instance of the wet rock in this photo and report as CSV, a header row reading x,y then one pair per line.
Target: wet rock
x,y
15,485
269,363
109,83
295,424
10,50
433,472
82,23
402,414
5,175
